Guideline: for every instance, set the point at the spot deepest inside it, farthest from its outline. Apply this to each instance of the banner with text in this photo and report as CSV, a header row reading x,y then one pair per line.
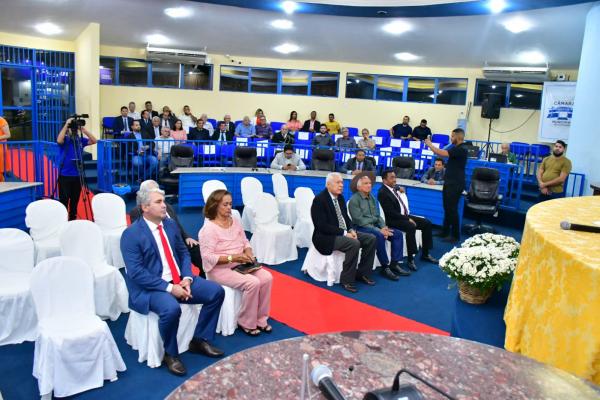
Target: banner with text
x,y
558,99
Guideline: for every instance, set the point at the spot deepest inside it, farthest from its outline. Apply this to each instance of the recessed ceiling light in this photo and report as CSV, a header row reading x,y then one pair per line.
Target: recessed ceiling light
x,y
406,56
286,48
497,6
157,38
532,57
48,28
397,27
517,25
282,24
289,6
178,12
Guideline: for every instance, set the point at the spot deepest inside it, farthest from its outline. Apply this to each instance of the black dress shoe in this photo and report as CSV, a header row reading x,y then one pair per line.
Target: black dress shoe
x,y
366,279
203,347
397,270
450,239
174,365
349,287
411,265
387,273
430,259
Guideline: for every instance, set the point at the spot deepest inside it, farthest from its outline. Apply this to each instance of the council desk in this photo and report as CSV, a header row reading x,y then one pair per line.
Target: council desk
x,y
14,199
424,200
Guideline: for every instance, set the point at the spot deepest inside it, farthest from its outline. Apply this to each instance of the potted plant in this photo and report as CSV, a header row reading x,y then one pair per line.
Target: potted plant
x,y
483,263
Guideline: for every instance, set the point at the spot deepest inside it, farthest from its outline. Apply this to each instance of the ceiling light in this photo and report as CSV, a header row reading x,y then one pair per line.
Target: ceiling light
x,y
157,38
518,95
497,6
532,57
517,25
178,12
282,24
357,80
406,56
286,48
397,27
289,6
493,86
48,28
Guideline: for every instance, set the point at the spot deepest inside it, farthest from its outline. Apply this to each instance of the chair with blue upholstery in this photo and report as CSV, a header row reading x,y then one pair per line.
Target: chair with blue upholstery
x,y
107,125
440,138
276,126
352,131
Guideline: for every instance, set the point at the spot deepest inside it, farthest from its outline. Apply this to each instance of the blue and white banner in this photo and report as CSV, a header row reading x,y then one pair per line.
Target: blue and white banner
x,y
558,100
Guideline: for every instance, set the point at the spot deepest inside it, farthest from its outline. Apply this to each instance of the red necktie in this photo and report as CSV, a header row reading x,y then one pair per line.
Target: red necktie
x,y
169,256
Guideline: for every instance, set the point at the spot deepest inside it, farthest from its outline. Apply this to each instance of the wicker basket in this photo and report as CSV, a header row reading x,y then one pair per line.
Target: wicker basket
x,y
473,295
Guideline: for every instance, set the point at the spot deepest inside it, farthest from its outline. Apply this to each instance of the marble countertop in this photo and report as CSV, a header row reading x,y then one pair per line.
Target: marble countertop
x,y
363,361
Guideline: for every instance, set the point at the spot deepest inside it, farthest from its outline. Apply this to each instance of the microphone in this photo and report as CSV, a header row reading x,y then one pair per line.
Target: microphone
x,y
566,225
322,377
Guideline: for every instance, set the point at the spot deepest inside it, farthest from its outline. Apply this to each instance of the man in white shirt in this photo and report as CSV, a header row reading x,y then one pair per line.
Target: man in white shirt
x,y
288,160
132,113
159,278
187,119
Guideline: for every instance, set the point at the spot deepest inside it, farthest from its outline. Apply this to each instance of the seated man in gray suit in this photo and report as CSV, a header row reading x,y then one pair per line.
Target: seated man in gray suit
x,y
357,164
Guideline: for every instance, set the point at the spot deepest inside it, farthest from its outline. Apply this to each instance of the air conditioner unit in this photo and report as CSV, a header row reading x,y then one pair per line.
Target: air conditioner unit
x,y
161,54
517,74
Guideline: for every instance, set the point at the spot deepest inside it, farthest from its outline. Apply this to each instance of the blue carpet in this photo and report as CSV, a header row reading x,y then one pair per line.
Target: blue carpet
x,y
425,296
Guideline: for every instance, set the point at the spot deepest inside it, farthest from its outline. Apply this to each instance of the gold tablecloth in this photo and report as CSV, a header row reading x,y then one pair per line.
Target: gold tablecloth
x,y
553,310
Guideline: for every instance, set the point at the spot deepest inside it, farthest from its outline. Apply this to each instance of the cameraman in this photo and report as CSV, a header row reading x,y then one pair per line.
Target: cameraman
x,y
71,148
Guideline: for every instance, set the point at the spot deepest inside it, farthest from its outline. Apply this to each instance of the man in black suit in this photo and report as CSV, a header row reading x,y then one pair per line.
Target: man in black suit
x,y
145,121
397,216
229,126
167,119
333,231
148,106
192,245
283,136
222,134
122,122
199,133
154,129
311,125
357,164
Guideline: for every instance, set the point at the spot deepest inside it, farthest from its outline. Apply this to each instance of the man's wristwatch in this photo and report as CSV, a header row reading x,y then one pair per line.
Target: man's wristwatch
x,y
229,258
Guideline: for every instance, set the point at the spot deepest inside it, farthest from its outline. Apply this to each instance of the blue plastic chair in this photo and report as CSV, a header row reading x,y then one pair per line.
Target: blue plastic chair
x,y
276,126
440,138
213,122
108,125
352,131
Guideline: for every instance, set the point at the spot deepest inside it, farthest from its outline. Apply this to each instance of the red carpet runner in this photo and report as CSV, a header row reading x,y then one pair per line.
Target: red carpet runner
x,y
311,309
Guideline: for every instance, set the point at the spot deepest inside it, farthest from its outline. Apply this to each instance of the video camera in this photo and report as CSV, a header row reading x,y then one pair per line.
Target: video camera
x,y
77,121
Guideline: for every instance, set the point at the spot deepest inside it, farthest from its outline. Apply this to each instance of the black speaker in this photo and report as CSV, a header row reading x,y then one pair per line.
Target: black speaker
x,y
490,106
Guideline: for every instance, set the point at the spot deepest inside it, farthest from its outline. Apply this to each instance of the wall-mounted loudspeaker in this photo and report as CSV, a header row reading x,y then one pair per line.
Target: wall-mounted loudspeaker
x,y
490,106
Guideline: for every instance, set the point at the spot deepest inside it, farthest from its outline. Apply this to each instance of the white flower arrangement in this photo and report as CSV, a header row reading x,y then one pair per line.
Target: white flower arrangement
x,y
484,261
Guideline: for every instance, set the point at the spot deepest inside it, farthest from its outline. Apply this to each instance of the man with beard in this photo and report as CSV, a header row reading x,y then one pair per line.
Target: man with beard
x,y
553,172
454,182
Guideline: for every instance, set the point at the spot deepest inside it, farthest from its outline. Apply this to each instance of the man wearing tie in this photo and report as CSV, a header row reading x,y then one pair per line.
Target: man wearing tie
x,y
357,164
333,231
154,129
398,216
145,121
123,122
222,134
159,278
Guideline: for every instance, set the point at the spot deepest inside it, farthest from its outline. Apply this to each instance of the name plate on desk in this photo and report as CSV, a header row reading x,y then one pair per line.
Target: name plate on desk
x,y
303,135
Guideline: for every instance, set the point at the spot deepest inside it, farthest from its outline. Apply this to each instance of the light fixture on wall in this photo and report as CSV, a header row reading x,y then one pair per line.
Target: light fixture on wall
x,y
48,28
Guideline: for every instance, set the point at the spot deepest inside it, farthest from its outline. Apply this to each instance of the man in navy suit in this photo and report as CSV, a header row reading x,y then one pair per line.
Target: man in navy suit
x,y
122,122
159,278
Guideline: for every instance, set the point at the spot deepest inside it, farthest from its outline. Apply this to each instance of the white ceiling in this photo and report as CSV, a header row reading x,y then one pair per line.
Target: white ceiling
x,y
466,41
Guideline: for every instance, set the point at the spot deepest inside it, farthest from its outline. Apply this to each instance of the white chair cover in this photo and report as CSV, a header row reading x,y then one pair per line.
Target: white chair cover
x,y
74,349
18,320
230,310
287,205
45,220
110,215
250,188
142,334
273,243
418,236
210,186
304,227
323,268
83,239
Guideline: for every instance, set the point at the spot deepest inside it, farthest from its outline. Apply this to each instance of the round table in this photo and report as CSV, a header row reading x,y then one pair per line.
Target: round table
x,y
363,361
553,310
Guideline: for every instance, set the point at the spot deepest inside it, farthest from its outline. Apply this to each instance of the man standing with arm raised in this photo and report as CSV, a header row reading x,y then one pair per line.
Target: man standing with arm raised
x,y
454,182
